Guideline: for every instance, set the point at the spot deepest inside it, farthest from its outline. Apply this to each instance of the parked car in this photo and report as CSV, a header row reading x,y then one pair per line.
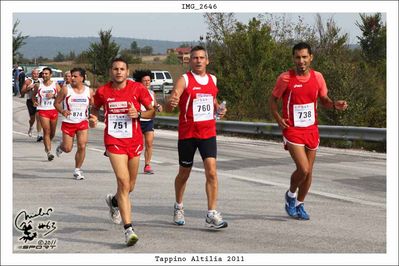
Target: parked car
x,y
57,75
167,87
159,78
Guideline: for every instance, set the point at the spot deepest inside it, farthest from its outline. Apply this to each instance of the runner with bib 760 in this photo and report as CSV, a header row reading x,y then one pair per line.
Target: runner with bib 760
x,y
195,94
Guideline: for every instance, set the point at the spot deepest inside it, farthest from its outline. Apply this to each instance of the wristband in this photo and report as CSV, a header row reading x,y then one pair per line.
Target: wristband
x,y
138,115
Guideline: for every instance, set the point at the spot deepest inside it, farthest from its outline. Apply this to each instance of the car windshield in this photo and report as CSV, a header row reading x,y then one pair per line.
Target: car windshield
x,y
167,75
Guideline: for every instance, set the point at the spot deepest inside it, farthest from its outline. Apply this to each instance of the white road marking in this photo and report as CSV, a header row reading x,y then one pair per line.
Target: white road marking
x,y
243,178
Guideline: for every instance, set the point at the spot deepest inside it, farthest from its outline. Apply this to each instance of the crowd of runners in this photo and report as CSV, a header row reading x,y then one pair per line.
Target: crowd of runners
x,y
129,109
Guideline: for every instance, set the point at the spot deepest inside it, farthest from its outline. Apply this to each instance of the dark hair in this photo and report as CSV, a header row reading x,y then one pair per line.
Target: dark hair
x,y
300,46
47,68
198,48
139,74
119,59
81,71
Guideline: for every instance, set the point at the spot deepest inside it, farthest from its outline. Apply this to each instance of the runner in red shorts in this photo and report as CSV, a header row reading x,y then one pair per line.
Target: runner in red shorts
x,y
299,89
123,139
46,93
76,98
195,94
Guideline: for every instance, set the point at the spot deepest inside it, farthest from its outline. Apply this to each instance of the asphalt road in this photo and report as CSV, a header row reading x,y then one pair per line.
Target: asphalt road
x,y
347,201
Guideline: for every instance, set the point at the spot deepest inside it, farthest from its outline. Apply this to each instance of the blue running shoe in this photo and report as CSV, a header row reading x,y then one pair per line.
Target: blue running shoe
x,y
290,206
302,214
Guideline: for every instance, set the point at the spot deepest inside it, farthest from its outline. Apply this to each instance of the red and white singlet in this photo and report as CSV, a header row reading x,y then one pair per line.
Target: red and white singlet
x,y
77,104
197,118
46,96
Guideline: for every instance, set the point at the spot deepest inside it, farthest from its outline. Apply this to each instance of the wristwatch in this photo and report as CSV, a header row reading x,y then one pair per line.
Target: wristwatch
x,y
139,115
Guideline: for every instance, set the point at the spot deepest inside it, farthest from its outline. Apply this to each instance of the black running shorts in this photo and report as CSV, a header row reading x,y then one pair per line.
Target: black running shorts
x,y
188,147
31,109
147,126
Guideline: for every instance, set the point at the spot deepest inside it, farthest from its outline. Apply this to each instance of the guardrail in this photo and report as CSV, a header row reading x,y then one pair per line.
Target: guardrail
x,y
272,129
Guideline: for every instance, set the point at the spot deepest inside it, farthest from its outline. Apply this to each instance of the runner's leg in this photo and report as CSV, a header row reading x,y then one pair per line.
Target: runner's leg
x,y
211,185
81,137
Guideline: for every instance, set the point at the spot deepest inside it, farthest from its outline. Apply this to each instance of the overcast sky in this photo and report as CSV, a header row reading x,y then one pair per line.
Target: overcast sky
x,y
156,26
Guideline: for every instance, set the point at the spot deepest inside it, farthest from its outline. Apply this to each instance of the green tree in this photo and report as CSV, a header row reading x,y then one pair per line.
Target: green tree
x,y
134,48
82,58
60,57
71,56
373,39
349,79
18,40
172,59
129,57
248,58
146,50
242,59
101,54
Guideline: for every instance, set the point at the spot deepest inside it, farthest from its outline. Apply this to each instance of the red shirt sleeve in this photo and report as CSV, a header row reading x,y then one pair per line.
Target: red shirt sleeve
x,y
98,98
322,84
281,84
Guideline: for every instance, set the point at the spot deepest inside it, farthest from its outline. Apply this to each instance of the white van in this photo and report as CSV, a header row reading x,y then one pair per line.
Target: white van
x,y
57,74
161,79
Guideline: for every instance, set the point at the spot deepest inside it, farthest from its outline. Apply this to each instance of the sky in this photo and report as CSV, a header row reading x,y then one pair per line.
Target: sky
x,y
157,26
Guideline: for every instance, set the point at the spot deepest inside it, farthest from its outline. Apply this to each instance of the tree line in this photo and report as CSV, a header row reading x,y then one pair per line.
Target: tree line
x,y
248,58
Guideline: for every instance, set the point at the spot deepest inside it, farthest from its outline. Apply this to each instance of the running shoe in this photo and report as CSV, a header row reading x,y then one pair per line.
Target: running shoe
x,y
78,174
39,138
58,151
178,217
113,211
290,205
302,214
50,157
147,169
30,132
130,237
215,221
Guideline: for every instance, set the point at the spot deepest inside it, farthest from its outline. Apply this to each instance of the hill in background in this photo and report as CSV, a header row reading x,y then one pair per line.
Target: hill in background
x,y
48,47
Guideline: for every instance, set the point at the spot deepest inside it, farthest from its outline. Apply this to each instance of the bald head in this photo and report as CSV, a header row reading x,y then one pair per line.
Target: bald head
x,y
35,73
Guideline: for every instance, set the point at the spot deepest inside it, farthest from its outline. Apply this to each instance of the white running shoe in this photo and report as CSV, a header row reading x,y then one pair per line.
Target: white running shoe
x,y
113,211
78,174
215,221
178,216
58,151
30,132
130,237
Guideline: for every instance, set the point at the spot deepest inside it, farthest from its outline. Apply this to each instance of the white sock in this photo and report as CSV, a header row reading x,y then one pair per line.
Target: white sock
x,y
211,212
77,169
291,195
179,205
297,203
